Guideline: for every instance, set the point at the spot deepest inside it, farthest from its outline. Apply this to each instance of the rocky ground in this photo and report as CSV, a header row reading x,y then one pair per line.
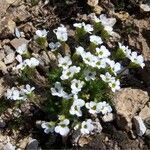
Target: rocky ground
x,y
130,128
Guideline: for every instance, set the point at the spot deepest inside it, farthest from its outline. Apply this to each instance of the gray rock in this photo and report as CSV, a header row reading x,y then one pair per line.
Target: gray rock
x,y
2,54
2,88
3,68
13,2
2,124
9,146
7,27
147,133
92,3
20,13
7,49
145,7
145,113
33,144
140,126
9,58
128,102
3,7
18,42
39,123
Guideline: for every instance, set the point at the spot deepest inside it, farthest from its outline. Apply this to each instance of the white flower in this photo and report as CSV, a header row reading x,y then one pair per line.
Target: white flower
x,y
78,25
48,127
94,18
115,67
89,75
64,62
104,108
114,85
101,63
92,106
90,59
125,50
109,30
108,23
107,77
62,127
41,33
61,33
76,86
87,127
53,46
59,91
22,64
96,39
17,33
87,27
80,51
87,57
32,62
137,59
22,49
102,52
28,89
76,107
68,73
13,94
97,127
122,47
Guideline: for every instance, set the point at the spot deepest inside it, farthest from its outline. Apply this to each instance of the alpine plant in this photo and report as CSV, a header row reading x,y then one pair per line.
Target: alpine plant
x,y
85,78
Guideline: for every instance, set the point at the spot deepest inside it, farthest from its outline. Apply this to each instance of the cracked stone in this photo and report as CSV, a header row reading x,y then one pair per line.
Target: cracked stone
x,y
128,102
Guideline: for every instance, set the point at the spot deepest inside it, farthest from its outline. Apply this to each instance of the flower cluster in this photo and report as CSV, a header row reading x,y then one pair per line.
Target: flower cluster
x,y
31,62
136,60
87,75
84,78
107,23
19,94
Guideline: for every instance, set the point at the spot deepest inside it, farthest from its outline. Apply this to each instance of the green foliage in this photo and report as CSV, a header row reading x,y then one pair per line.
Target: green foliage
x,y
105,35
54,75
120,4
120,54
41,41
80,33
16,123
34,2
4,105
98,90
98,27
